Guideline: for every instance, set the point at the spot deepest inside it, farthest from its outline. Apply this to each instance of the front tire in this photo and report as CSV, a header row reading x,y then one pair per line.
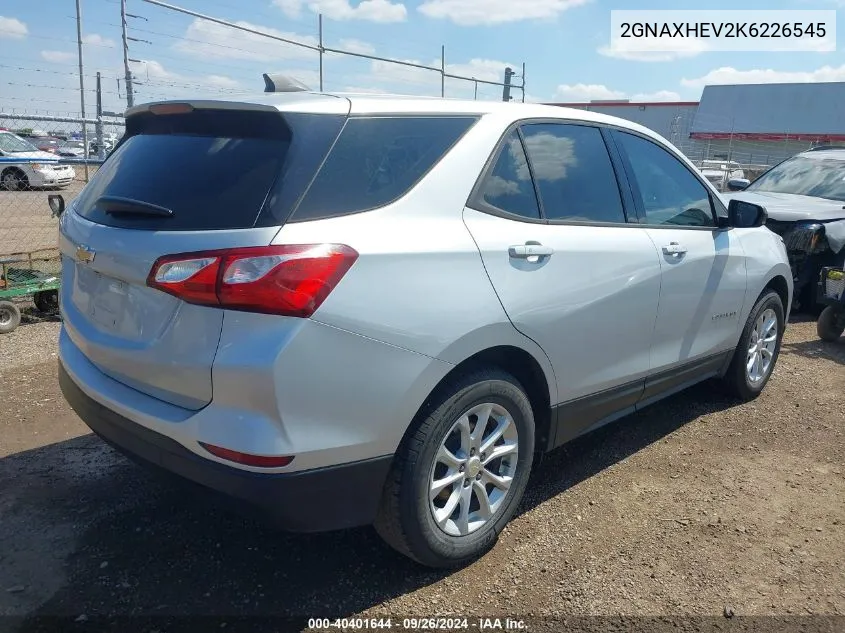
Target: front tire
x,y
14,179
758,349
831,323
459,475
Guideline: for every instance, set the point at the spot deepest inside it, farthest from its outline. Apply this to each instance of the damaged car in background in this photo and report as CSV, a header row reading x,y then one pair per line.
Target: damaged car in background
x,y
805,200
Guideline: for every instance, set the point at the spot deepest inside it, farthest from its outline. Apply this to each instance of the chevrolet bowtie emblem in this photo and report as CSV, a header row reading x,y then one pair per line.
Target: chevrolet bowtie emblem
x,y
85,254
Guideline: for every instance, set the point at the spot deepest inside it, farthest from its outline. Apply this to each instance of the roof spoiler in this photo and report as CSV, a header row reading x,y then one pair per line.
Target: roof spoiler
x,y
282,83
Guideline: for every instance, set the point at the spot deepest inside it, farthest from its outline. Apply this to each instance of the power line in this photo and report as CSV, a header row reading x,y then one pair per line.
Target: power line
x,y
206,42
51,72
26,85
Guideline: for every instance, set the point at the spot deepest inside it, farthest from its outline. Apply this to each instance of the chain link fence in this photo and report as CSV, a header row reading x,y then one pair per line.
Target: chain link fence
x,y
41,155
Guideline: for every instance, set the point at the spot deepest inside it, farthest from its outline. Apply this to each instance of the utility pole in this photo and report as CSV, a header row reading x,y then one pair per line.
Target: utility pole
x,y
81,82
506,91
130,97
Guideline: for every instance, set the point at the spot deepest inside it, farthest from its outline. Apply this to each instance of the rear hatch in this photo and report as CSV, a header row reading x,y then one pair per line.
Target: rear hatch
x,y
185,178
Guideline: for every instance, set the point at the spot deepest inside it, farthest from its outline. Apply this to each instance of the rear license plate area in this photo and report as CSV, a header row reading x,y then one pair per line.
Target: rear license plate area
x,y
108,301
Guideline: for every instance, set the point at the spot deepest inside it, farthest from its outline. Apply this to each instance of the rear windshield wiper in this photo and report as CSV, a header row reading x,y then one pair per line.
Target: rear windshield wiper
x,y
114,205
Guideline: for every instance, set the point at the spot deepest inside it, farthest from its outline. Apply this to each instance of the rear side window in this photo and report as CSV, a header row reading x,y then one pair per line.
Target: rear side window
x,y
211,169
509,187
376,160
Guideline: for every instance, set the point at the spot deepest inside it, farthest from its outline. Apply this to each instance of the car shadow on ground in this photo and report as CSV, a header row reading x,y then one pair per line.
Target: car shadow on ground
x,y
150,549
817,349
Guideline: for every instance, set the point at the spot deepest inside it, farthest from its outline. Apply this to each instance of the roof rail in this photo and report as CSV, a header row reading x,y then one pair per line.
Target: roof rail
x,y
282,83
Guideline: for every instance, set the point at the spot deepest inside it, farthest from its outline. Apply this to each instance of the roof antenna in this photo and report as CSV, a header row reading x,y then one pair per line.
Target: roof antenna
x,y
282,83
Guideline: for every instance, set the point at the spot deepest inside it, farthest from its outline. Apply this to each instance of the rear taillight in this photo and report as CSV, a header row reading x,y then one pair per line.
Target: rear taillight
x,y
290,280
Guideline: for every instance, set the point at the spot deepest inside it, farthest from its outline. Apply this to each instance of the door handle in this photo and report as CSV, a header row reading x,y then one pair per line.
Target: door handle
x,y
673,248
526,251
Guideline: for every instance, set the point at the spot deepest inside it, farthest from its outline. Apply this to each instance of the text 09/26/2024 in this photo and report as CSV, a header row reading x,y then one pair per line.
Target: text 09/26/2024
x,y
418,624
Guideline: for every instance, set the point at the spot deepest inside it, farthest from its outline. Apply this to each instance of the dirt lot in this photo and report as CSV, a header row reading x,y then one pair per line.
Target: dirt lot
x,y
697,506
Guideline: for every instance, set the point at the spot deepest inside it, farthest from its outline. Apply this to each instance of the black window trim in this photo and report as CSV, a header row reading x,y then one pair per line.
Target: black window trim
x,y
474,117
540,206
476,201
715,203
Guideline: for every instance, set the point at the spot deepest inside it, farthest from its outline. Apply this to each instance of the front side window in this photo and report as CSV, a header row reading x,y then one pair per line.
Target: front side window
x,y
573,172
669,193
805,176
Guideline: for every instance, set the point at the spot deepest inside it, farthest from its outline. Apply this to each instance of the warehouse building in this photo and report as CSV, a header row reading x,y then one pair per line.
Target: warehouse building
x,y
759,124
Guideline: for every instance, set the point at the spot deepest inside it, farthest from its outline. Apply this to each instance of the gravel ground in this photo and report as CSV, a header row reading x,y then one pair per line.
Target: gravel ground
x,y
697,506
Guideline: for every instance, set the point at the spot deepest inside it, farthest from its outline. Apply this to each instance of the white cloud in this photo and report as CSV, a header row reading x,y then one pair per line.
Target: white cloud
x,y
363,90
660,95
221,81
487,12
581,93
728,75
57,57
371,10
94,39
586,92
166,81
390,78
209,40
12,28
291,8
357,46
484,69
684,48
151,69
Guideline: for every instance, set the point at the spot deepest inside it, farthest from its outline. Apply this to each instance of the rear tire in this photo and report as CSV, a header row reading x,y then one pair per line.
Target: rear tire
x,y
13,179
758,349
47,301
445,447
10,317
831,323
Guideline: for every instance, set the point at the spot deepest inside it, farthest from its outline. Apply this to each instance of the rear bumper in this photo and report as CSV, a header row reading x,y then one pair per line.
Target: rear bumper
x,y
315,500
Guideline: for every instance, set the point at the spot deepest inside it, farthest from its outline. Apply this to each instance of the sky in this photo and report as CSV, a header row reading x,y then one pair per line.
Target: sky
x,y
564,44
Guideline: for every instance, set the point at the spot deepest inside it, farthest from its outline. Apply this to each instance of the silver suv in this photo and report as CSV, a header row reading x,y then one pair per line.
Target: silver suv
x,y
354,310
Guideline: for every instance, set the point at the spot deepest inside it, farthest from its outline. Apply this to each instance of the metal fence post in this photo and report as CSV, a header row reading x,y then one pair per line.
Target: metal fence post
x,y
522,87
443,70
99,127
322,50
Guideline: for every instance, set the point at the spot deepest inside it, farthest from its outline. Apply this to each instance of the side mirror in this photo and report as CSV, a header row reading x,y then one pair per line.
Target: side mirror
x,y
738,184
57,204
746,215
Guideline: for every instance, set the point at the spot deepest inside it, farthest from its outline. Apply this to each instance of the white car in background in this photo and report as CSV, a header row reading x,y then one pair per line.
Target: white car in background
x,y
23,166
72,149
720,172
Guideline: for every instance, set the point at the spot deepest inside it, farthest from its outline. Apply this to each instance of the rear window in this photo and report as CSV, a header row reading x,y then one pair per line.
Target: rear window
x,y
377,160
212,169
